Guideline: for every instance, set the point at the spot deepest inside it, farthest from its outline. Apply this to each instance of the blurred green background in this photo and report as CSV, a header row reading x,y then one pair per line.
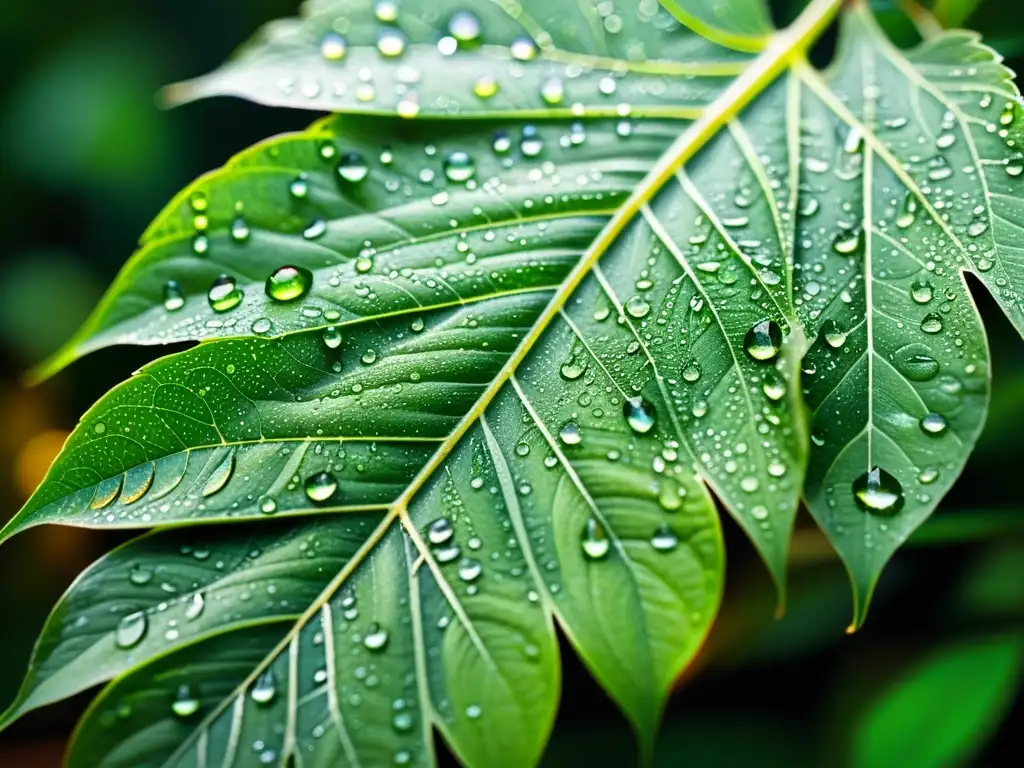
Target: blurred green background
x,y
87,158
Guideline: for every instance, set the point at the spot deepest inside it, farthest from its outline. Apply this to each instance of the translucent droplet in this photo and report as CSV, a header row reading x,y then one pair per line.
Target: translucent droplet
x,y
224,294
353,168
501,142
933,424
639,414
376,638
764,341
523,49
835,335
485,87
195,607
465,28
848,241
265,688
909,212
220,476
174,299
664,540
552,91
459,166
440,531
637,307
289,283
931,323
921,291
184,704
316,228
321,487
267,504
299,187
878,492
530,144
570,433
470,569
572,369
774,387
332,337
691,371
333,47
240,230
594,540
390,42
131,629
106,490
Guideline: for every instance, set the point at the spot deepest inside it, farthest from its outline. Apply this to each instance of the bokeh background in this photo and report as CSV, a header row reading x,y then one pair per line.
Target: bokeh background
x,y
87,158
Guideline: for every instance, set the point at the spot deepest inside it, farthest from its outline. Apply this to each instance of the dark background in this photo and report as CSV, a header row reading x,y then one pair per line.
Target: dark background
x,y
87,158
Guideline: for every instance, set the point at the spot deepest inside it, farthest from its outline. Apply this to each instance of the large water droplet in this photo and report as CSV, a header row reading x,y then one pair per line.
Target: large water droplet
x,y
332,337
763,341
664,540
265,688
333,47
530,144
878,492
184,704
321,487
933,424
594,540
353,168
131,629
639,414
224,294
931,323
220,476
390,42
523,49
289,283
921,291
470,569
835,335
376,638
465,28
174,299
570,433
459,166
440,531
848,241
774,386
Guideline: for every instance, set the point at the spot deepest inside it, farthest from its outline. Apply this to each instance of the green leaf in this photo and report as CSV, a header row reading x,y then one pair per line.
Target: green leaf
x,y
526,58
909,176
944,709
522,357
744,25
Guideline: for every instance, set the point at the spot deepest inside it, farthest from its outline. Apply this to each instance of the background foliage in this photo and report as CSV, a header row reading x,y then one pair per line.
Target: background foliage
x,y
86,160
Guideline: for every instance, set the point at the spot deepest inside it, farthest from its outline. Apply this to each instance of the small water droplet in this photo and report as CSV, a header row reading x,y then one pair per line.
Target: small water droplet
x,y
390,42
353,168
265,688
459,166
691,371
835,335
333,47
931,323
523,49
921,291
570,433
332,337
933,424
637,307
195,607
440,531
530,143
376,638
664,540
184,704
774,387
174,299
470,569
848,241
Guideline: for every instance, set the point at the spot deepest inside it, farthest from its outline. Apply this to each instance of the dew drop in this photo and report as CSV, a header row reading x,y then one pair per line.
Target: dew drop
x,y
921,291
332,337
353,168
834,334
184,704
267,504
390,42
173,297
131,629
637,307
570,433
639,414
376,638
931,323
333,47
933,424
691,371
264,689
240,230
594,540
664,540
440,531
878,492
774,387
220,476
523,49
530,142
848,241
224,294
459,166
321,487
470,569
289,283
763,341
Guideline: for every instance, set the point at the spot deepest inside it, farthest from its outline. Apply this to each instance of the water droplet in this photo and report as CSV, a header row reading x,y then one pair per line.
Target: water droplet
x,y
570,433
267,504
224,294
464,27
639,414
320,488
764,341
878,492
332,337
552,91
195,607
530,143
220,476
376,638
473,711
386,10
933,424
691,371
774,387
470,569
299,187
131,629
921,291
664,540
333,47
594,540
909,212
915,362
289,283
459,166
390,42
106,490
572,369
523,49
501,143
265,688
931,323
240,230
834,334
485,87
440,531
353,168
173,297
184,704
848,241
637,307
